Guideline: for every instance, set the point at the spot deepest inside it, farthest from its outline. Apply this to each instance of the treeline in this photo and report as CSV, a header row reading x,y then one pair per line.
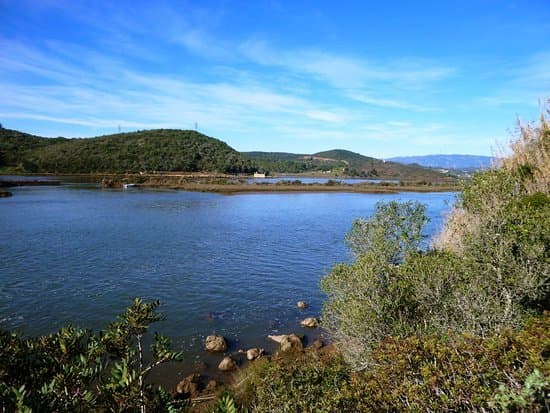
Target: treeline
x,y
151,150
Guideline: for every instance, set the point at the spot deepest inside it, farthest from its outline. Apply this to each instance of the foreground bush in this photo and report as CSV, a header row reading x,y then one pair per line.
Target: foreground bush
x,y
489,270
504,372
75,370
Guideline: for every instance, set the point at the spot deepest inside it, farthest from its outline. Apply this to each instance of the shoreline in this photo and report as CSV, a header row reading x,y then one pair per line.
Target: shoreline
x,y
235,185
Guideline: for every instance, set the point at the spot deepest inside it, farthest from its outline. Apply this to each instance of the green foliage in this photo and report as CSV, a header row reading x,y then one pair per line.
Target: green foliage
x,y
394,230
459,372
152,150
491,272
535,390
226,404
370,299
75,370
304,385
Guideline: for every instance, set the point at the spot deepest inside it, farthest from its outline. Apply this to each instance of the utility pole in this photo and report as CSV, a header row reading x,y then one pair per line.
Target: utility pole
x,y
196,127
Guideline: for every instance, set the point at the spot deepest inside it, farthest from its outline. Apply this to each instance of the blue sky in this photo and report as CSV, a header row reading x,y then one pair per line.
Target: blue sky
x,y
380,78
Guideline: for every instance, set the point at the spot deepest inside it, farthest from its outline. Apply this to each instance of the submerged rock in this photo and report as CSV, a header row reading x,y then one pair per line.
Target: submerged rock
x,y
227,364
310,322
216,344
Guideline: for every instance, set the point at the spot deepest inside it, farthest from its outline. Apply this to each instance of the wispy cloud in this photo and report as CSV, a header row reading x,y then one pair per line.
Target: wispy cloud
x,y
127,70
348,72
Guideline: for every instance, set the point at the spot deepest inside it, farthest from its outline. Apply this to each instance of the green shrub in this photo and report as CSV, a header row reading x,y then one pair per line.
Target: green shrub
x,y
75,370
457,372
367,300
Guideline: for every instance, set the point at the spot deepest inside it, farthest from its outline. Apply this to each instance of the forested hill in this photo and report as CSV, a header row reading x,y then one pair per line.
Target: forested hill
x,y
150,150
339,161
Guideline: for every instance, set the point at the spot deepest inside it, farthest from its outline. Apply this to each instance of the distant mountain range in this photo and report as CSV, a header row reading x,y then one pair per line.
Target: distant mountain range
x,y
456,162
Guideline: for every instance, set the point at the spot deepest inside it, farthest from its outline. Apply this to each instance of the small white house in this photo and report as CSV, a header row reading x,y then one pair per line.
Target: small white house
x,y
258,175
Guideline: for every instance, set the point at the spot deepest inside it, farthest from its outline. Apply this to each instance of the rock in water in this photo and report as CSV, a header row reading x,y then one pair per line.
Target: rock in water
x,y
277,339
301,305
227,364
310,322
254,353
291,342
215,344
189,386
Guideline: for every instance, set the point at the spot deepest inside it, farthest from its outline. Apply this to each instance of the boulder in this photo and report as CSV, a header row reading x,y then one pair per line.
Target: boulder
x,y
227,364
291,342
189,386
301,305
310,322
215,344
254,353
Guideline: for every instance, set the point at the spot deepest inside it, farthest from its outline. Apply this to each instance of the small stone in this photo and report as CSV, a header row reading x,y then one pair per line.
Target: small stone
x,y
215,344
301,305
310,322
227,364
254,353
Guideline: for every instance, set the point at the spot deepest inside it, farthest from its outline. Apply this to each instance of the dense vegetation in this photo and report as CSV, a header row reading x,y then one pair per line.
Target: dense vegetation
x,y
340,162
151,150
75,370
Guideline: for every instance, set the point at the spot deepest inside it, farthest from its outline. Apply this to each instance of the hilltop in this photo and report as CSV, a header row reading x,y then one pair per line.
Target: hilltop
x,y
149,150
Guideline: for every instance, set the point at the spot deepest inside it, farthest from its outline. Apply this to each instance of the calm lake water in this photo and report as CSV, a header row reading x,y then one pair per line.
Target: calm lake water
x,y
232,265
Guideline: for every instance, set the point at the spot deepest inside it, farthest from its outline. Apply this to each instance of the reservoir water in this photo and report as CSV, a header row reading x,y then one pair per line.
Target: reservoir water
x,y
232,265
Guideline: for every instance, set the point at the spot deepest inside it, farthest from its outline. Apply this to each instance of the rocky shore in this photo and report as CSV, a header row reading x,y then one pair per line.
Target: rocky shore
x,y
201,387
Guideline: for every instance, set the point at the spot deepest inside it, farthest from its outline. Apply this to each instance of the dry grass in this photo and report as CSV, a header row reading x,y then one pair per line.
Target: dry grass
x,y
529,161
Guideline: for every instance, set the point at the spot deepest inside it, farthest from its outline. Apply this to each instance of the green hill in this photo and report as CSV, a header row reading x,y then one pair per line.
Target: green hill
x,y
339,161
151,150
360,165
